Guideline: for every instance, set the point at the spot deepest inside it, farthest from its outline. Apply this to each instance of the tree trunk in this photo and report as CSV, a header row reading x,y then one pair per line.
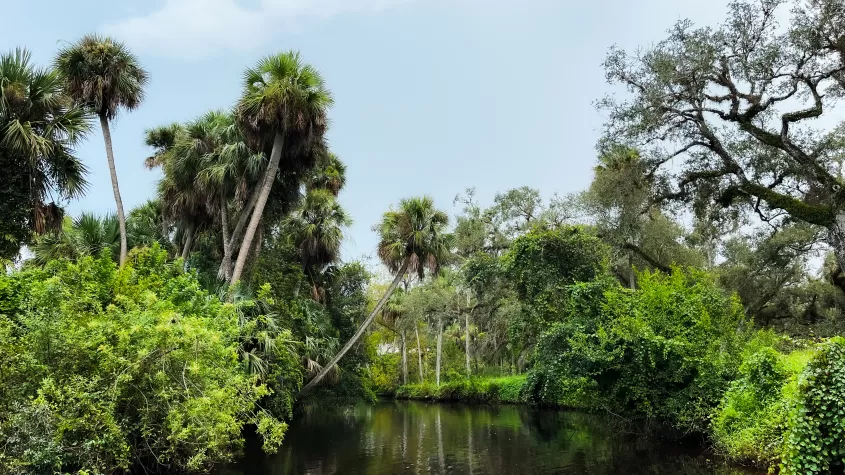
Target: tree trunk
x,y
234,239
632,280
404,360
439,347
308,387
189,242
257,213
419,352
469,373
224,226
121,218
836,238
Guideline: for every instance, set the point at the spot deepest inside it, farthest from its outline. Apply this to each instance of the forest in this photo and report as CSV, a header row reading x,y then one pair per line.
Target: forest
x,y
696,286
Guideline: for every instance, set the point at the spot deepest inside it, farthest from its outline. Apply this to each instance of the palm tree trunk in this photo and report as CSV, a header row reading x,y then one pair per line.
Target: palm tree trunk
x,y
419,352
224,227
316,380
121,218
234,239
439,346
404,360
258,211
189,242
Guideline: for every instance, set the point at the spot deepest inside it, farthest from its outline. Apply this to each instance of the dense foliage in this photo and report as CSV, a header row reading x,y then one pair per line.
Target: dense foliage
x,y
107,367
816,436
695,286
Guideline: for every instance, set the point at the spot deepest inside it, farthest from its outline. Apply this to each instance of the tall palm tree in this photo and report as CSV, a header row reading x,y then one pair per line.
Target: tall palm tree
x,y
183,202
316,229
412,238
39,129
284,103
228,170
104,76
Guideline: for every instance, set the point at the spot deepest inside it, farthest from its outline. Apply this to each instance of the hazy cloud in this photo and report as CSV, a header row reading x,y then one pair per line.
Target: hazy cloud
x,y
201,28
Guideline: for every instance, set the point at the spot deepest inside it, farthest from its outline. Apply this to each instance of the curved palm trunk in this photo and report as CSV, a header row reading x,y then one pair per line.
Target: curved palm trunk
x,y
121,218
316,380
234,239
258,211
439,347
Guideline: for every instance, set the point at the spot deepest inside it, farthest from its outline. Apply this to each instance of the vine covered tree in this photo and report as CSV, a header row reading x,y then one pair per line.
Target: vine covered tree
x,y
735,114
104,76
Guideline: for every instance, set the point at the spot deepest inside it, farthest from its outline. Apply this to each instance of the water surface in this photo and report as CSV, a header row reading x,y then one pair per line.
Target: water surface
x,y
394,437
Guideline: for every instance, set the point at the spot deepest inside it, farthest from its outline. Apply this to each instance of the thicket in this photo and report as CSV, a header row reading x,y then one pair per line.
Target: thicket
x,y
104,368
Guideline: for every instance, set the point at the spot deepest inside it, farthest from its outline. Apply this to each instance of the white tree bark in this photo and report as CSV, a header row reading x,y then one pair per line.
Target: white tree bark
x,y
121,217
439,346
404,360
419,353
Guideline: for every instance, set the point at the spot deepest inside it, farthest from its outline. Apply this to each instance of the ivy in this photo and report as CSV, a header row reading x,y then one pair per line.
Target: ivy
x,y
816,439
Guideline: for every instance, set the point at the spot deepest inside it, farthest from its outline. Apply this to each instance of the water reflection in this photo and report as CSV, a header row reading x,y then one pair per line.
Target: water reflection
x,y
395,437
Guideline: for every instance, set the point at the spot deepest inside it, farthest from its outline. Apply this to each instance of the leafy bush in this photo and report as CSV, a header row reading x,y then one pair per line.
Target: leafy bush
x,y
816,439
752,419
667,351
541,265
106,367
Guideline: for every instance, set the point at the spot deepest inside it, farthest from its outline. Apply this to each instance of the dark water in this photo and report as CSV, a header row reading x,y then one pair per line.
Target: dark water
x,y
395,437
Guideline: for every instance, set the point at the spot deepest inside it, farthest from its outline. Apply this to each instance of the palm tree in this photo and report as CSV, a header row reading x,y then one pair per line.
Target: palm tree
x,y
316,229
146,225
229,169
284,103
39,129
104,76
413,238
329,174
87,235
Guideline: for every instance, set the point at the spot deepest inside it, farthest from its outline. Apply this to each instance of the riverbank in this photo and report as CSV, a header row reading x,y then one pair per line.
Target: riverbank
x,y
499,390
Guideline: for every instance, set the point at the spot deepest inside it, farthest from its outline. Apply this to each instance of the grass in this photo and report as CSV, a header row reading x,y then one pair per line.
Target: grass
x,y
506,389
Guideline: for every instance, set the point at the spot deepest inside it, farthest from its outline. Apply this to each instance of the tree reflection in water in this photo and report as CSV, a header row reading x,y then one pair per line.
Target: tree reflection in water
x,y
394,437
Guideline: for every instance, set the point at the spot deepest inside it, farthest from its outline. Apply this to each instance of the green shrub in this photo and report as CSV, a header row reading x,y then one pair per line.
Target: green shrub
x,y
816,439
750,423
667,351
104,367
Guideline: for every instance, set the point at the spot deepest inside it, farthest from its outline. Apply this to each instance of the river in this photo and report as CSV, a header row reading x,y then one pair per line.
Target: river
x,y
395,437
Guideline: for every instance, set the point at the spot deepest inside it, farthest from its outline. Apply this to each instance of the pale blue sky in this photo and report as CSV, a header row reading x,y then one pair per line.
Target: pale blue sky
x,y
432,96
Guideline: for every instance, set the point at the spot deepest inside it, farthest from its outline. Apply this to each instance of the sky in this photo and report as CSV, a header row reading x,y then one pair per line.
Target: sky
x,y
431,96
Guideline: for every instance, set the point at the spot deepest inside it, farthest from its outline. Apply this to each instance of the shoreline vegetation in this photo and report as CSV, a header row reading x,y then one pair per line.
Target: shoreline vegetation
x,y
696,284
